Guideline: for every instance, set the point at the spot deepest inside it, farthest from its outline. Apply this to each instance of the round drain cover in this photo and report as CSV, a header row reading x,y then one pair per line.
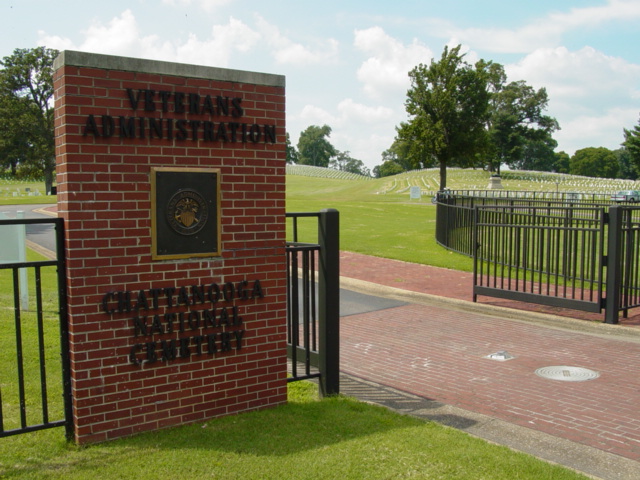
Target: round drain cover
x,y
567,374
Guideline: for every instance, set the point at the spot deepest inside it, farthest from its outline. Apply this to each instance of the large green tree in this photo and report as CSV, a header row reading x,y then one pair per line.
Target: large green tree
x,y
15,134
517,124
26,111
314,147
448,106
408,150
537,155
628,168
387,169
632,144
594,162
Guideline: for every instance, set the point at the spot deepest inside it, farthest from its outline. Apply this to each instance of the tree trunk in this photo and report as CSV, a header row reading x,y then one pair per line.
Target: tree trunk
x,y
443,175
49,172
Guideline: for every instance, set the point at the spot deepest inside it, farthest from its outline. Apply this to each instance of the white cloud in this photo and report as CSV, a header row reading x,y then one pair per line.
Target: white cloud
x,y
350,114
122,36
286,51
313,115
351,111
593,96
386,70
546,31
605,130
579,80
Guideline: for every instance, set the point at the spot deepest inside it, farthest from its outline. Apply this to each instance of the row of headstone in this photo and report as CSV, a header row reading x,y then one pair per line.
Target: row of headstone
x,y
18,193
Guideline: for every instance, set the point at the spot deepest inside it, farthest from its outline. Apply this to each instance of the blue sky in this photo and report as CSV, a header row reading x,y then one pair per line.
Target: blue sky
x,y
346,62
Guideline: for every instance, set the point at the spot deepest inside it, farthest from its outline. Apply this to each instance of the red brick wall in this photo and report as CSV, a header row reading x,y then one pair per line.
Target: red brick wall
x,y
104,195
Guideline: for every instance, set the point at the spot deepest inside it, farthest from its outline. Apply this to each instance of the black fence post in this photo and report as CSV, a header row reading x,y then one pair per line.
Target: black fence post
x,y
64,329
614,265
329,301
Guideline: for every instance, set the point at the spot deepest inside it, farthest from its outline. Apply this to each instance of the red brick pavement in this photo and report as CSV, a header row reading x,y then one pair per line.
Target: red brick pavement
x,y
440,354
444,282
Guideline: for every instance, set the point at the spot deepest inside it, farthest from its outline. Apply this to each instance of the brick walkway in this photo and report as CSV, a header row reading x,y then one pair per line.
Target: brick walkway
x,y
443,282
440,353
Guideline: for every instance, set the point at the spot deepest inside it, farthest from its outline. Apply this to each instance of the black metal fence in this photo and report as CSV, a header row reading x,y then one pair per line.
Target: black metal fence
x,y
623,260
313,298
30,393
567,250
547,255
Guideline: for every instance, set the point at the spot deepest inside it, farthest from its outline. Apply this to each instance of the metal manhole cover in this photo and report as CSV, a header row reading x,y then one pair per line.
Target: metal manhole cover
x,y
567,374
501,356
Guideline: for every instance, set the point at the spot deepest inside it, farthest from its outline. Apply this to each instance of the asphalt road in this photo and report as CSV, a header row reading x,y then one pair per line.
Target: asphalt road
x,y
41,234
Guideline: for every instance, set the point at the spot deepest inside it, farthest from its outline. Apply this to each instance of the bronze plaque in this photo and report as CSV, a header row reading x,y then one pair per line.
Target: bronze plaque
x,y
185,212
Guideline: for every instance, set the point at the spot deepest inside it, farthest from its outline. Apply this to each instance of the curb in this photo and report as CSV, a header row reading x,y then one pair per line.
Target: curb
x,y
622,332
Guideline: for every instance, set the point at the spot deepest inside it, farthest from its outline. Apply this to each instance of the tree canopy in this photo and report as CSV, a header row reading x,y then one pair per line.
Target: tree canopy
x,y
517,126
464,115
314,147
594,162
448,107
632,144
26,112
344,162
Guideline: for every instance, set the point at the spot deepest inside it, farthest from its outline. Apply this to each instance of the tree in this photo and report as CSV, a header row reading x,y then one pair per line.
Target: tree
x,y
15,132
407,151
561,164
516,123
292,153
314,148
26,84
448,105
594,162
345,163
627,168
632,144
387,169
537,155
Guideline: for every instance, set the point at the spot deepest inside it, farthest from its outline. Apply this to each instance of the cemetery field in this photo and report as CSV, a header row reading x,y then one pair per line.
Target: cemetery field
x,y
17,192
388,225
378,217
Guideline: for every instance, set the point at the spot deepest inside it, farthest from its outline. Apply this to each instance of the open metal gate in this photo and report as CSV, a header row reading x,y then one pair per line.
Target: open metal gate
x,y
35,384
549,255
313,300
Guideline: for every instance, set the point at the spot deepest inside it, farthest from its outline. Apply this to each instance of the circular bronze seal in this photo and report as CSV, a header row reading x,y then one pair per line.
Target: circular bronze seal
x,y
187,212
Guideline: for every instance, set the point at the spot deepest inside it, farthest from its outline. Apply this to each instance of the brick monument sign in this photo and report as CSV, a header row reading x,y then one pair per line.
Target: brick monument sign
x,y
171,183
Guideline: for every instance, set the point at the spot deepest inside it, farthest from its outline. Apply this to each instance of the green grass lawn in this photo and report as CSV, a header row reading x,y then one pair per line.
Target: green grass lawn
x,y
382,225
335,438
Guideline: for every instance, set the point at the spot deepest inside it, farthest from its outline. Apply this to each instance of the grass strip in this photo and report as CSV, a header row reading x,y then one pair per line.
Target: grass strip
x,y
308,438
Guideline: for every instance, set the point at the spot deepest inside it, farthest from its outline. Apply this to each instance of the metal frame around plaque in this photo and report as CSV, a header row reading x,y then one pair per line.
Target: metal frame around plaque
x,y
185,212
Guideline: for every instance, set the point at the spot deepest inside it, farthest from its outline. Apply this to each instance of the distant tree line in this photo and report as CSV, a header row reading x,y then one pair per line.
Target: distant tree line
x,y
314,148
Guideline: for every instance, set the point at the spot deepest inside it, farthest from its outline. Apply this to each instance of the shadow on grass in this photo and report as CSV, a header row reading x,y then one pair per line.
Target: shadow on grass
x,y
283,430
